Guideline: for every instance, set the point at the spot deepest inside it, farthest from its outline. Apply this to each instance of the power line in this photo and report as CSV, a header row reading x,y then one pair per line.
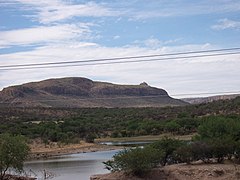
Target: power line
x,y
43,66
119,58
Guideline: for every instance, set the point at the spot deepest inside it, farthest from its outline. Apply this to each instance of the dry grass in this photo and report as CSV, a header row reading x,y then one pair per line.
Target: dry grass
x,y
145,138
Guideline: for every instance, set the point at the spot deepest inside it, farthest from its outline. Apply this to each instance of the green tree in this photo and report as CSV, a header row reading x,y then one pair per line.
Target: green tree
x,y
201,151
222,148
184,154
221,134
219,127
167,146
237,151
90,138
13,152
136,161
172,126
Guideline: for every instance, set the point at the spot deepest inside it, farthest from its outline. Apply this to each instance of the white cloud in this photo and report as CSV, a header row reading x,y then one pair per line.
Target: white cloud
x,y
177,76
175,8
116,37
44,34
155,43
46,11
226,24
63,41
57,10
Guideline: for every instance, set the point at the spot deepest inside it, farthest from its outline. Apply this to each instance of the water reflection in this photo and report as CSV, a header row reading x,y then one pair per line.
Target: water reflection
x,y
127,143
73,167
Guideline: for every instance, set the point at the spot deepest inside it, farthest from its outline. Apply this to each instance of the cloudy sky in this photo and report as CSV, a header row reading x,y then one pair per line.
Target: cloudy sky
x,y
41,31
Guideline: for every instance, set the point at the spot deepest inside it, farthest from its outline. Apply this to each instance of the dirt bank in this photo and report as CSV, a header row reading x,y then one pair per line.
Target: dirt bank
x,y
13,177
40,150
182,172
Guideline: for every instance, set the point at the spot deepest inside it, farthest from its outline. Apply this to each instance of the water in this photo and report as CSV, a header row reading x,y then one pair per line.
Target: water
x,y
127,143
75,166
71,167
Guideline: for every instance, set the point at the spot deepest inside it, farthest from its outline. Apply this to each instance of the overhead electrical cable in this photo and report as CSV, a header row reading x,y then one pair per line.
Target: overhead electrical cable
x,y
43,65
120,58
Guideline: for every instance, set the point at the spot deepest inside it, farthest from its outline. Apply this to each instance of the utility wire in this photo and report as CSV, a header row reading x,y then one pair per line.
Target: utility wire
x,y
119,58
115,62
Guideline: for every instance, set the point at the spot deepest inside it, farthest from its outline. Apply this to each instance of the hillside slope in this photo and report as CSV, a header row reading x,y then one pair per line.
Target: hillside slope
x,y
82,92
199,100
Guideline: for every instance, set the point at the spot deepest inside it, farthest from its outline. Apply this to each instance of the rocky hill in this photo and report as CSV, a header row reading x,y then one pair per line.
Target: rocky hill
x,y
199,100
81,92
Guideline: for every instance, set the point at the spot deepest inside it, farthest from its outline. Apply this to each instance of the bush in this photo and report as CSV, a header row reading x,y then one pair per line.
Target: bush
x,y
222,148
194,151
201,151
237,151
183,154
136,161
167,146
90,138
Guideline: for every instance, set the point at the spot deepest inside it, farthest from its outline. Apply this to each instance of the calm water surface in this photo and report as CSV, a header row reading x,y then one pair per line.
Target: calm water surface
x,y
71,167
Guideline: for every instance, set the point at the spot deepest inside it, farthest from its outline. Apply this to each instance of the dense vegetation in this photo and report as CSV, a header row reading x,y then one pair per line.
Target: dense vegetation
x,y
69,125
217,125
218,139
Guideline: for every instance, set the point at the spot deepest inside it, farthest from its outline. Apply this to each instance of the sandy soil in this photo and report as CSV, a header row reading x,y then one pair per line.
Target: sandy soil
x,y
40,150
182,172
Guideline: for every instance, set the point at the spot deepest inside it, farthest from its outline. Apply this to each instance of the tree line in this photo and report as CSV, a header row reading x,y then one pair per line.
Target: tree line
x,y
116,122
218,139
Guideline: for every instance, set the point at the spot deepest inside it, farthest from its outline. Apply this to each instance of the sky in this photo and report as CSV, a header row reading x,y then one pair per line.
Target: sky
x,y
41,31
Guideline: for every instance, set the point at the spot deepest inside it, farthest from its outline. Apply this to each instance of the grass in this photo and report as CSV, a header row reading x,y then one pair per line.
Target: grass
x,y
145,138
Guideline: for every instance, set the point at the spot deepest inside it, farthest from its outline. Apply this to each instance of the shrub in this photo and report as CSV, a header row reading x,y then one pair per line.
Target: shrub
x,y
136,161
183,154
167,146
90,138
201,151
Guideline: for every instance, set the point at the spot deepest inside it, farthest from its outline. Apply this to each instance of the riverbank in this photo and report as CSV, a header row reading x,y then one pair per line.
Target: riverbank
x,y
146,138
181,172
40,150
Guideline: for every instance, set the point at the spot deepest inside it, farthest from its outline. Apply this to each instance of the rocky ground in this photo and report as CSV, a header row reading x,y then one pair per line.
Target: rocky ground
x,y
182,172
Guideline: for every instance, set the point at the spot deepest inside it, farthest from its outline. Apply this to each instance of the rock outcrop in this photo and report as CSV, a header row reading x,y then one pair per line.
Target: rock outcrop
x,y
82,92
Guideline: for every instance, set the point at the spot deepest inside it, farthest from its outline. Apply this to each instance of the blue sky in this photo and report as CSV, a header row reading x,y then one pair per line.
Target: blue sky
x,y
33,31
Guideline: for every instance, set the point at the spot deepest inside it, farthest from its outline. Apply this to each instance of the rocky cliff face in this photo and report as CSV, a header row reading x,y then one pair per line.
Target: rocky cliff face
x,y
82,92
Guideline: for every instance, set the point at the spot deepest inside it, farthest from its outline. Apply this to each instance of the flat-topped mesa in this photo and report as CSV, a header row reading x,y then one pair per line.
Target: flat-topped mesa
x,y
83,92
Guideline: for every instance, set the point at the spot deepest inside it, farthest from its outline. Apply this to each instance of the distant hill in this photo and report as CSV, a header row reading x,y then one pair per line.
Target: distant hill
x,y
199,100
81,92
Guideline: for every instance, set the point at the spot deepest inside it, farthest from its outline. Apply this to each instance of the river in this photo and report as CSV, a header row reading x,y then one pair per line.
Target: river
x,y
75,166
70,167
